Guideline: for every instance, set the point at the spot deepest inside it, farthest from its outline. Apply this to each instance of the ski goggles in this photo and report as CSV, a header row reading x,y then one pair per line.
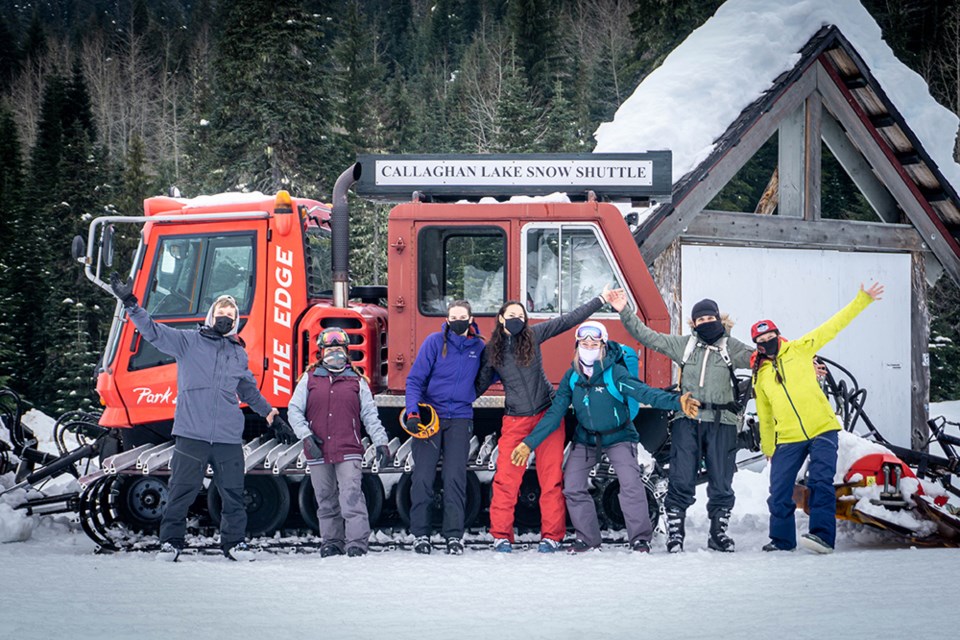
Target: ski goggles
x,y
589,333
333,337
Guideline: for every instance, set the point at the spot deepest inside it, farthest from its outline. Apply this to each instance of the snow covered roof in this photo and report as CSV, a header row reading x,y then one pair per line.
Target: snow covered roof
x,y
736,72
687,103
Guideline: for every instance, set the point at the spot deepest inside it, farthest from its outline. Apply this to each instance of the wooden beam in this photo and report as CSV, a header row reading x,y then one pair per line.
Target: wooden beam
x,y
919,356
753,230
791,161
904,191
726,167
859,170
813,149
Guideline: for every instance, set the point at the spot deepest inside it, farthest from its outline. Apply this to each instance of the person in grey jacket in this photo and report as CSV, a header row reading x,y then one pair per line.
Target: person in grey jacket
x,y
330,402
713,435
212,372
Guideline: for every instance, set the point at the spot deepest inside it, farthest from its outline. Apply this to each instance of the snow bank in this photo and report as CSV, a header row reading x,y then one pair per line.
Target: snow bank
x,y
726,64
14,525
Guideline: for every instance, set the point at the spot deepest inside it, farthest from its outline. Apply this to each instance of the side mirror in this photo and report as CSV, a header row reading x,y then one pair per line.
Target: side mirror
x,y
78,248
106,245
632,219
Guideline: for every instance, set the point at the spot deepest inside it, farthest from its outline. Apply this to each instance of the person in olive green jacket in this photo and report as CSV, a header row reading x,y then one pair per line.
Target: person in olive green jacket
x,y
796,422
706,371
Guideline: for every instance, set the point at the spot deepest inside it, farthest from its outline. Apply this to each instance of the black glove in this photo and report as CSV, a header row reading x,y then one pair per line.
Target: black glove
x,y
383,455
282,431
313,447
413,425
123,290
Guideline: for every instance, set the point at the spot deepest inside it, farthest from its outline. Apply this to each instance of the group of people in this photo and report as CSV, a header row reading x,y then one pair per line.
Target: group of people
x,y
332,404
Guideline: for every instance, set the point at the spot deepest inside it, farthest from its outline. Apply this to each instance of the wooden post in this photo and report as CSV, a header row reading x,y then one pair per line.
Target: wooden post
x,y
791,161
666,273
812,148
919,355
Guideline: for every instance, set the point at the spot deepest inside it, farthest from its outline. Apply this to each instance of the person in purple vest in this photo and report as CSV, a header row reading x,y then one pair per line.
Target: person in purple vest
x,y
326,410
442,376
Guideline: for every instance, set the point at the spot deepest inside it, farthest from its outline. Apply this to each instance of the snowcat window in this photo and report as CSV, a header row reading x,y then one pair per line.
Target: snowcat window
x,y
229,271
319,272
462,263
191,271
565,267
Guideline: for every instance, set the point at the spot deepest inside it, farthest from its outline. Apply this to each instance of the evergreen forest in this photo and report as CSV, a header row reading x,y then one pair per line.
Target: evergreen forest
x,y
106,102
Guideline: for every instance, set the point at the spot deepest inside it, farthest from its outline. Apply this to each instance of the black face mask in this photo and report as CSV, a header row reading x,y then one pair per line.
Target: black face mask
x,y
770,347
459,327
223,325
710,332
515,325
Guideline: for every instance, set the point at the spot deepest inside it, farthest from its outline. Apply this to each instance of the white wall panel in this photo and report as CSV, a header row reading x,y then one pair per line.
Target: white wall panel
x,y
799,290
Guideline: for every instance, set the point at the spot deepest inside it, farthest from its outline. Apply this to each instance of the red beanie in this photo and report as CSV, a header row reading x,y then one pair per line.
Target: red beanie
x,y
762,327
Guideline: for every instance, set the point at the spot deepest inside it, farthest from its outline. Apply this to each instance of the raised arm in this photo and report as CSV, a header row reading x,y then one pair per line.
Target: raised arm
x,y
670,346
556,326
814,340
174,342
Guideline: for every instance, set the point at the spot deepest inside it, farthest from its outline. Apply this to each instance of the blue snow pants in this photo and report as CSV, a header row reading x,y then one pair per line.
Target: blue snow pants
x,y
784,466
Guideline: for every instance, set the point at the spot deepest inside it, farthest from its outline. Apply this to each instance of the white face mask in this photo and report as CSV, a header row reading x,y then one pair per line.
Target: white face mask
x,y
588,356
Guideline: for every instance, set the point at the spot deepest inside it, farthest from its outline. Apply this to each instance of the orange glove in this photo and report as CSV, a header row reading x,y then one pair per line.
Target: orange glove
x,y
690,405
520,455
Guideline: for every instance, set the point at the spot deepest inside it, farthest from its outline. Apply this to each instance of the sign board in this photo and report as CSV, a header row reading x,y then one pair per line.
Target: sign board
x,y
613,175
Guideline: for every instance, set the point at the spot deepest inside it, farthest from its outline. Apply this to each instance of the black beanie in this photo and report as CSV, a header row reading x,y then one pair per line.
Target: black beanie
x,y
705,307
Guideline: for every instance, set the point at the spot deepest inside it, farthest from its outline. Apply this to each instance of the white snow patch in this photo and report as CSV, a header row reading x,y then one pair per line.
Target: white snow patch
x,y
726,64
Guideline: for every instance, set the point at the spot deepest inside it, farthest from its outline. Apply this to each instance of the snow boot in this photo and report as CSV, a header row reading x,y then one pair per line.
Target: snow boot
x,y
813,543
579,546
548,546
675,530
770,546
168,552
356,552
719,540
330,550
240,552
640,546
422,545
502,545
454,547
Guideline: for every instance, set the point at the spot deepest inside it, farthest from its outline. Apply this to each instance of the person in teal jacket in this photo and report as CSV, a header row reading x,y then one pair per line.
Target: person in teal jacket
x,y
604,426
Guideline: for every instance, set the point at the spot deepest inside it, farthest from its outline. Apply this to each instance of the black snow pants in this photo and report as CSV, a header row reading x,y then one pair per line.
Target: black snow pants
x,y
187,470
453,441
691,441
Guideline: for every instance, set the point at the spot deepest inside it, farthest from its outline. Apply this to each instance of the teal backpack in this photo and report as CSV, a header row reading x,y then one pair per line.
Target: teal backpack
x,y
629,359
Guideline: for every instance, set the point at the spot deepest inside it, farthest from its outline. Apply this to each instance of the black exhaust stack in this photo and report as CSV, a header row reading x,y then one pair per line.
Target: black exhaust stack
x,y
340,235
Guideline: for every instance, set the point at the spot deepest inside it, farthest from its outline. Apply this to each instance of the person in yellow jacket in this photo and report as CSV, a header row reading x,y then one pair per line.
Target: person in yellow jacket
x,y
796,422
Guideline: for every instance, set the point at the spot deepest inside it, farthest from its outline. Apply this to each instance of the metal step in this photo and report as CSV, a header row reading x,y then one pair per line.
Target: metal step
x,y
152,461
117,463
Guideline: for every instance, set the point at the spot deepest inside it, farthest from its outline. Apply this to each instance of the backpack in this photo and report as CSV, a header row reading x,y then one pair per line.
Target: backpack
x,y
628,358
741,392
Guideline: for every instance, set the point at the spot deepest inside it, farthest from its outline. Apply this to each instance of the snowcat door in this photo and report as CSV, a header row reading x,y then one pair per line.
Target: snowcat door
x,y
182,275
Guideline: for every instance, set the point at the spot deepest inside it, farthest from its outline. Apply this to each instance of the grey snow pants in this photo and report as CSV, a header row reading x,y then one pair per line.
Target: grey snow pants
x,y
187,470
633,494
341,507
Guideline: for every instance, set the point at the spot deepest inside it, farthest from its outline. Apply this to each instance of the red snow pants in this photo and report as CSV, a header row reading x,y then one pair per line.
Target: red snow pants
x,y
507,479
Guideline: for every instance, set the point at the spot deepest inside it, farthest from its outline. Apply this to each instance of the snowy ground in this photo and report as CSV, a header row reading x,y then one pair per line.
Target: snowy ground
x,y
55,586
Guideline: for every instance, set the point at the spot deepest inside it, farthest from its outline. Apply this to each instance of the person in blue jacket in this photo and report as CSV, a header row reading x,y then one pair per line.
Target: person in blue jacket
x,y
604,421
443,377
